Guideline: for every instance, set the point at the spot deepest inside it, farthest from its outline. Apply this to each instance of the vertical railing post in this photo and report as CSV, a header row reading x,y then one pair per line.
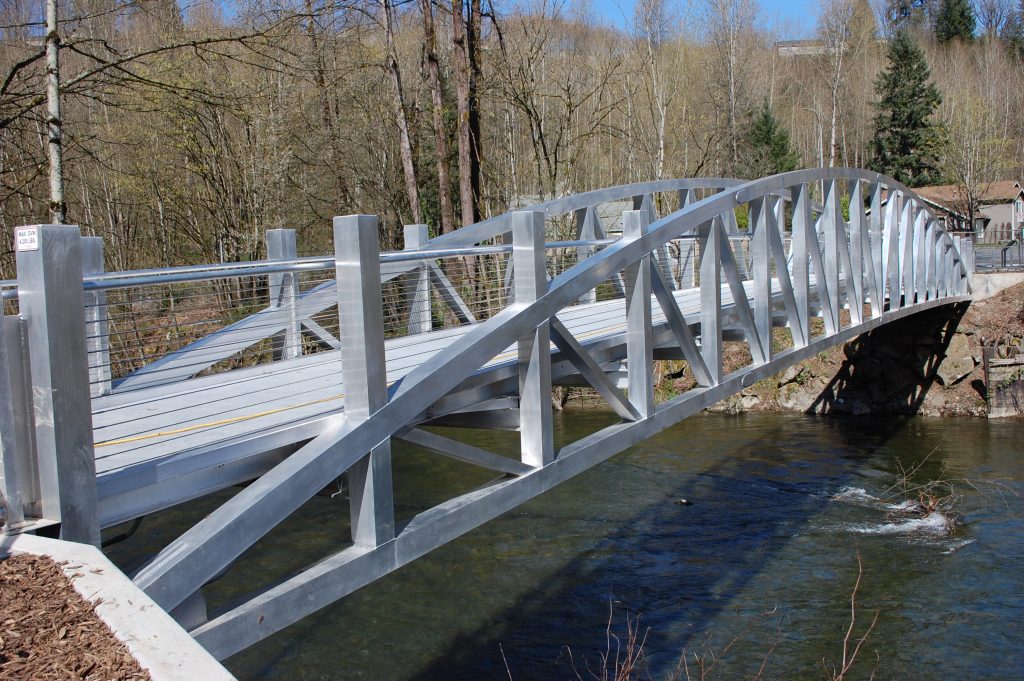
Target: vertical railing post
x,y
860,259
967,255
97,326
534,349
711,237
907,235
944,262
49,259
931,259
687,265
832,231
956,259
284,294
662,256
891,243
761,271
920,255
639,343
586,230
14,473
876,279
417,282
802,225
361,321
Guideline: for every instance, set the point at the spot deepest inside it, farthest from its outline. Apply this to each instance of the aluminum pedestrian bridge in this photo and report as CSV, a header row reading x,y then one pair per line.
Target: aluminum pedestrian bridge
x,y
294,373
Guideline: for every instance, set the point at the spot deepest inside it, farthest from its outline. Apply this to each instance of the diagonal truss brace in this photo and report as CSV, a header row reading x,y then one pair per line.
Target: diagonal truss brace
x,y
591,371
450,296
680,329
461,451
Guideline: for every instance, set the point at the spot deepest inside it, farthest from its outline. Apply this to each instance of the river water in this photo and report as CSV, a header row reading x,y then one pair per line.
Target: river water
x,y
735,539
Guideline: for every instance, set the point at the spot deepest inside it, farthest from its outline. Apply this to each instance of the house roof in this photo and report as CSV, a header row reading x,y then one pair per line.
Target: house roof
x,y
998,192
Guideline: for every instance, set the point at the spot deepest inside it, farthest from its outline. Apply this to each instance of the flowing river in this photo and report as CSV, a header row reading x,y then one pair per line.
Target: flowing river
x,y
732,539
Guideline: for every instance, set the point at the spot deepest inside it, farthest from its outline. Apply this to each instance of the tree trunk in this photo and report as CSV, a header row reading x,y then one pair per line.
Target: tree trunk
x,y
326,115
473,45
58,207
463,88
460,67
401,117
433,73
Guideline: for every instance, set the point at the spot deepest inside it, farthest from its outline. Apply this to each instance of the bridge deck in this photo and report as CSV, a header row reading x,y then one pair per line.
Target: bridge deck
x,y
209,432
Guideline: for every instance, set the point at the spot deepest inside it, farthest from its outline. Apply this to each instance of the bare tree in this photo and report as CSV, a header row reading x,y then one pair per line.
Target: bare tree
x,y
653,31
400,113
730,25
847,30
58,207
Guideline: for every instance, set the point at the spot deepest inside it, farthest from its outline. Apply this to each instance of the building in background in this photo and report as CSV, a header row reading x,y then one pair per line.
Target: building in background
x,y
1000,215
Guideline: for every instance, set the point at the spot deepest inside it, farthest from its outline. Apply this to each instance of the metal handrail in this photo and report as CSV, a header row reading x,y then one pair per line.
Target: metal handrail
x,y
131,278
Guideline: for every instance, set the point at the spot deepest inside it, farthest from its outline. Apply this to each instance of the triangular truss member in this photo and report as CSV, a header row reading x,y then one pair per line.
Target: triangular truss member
x,y
591,371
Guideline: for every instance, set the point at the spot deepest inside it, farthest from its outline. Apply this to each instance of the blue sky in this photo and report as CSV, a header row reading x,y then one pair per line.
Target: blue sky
x,y
791,18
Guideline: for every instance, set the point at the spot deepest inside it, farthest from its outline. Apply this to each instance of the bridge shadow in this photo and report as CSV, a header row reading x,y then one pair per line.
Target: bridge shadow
x,y
679,565
892,368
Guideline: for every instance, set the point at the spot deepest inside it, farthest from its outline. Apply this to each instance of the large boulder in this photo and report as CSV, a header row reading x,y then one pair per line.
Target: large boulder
x,y
958,362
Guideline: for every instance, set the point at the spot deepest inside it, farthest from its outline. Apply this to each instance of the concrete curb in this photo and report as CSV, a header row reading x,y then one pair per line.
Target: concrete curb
x,y
160,645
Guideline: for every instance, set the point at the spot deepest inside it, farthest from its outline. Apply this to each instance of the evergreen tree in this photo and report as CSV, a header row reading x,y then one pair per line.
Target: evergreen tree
x,y
955,21
767,145
906,141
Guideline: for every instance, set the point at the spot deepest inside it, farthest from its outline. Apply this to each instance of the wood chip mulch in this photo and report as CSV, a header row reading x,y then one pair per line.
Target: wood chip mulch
x,y
48,631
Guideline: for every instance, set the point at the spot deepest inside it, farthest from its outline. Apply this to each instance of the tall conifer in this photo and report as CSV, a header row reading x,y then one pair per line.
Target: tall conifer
x,y
906,141
955,21
768,148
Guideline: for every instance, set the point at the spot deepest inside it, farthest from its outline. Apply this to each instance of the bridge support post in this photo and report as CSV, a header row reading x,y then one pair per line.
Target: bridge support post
x,y
49,259
639,343
360,313
284,293
761,271
803,226
711,238
417,282
15,466
97,330
531,282
832,231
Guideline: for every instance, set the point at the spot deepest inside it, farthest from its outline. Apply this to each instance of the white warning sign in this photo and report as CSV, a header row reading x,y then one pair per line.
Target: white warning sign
x,y
26,239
